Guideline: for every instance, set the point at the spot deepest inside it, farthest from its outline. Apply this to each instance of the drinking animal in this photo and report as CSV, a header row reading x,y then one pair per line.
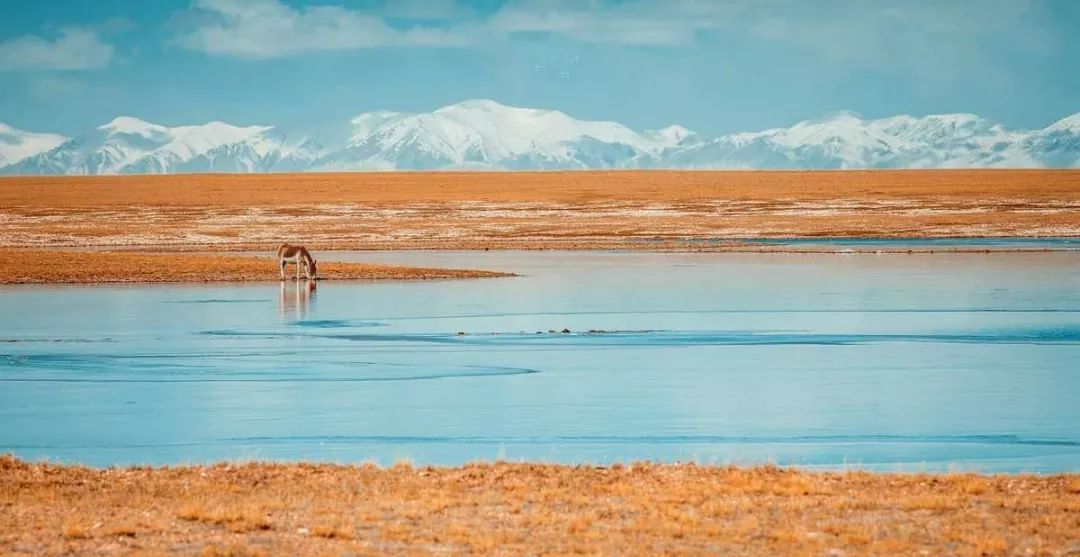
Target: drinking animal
x,y
296,254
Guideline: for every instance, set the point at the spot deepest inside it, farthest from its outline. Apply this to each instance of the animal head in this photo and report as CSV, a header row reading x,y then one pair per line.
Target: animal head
x,y
311,268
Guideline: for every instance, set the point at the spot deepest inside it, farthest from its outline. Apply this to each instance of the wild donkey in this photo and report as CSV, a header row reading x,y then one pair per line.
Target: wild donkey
x,y
296,254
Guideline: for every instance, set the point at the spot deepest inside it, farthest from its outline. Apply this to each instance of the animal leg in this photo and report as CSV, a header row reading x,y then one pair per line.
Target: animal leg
x,y
281,268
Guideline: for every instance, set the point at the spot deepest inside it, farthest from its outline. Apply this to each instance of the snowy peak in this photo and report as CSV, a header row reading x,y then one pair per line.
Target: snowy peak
x,y
488,107
219,132
16,144
482,133
213,132
364,124
486,134
127,125
519,128
187,142
1066,124
671,135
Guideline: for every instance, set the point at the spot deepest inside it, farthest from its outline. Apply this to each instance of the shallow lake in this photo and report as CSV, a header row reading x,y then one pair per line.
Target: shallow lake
x,y
879,361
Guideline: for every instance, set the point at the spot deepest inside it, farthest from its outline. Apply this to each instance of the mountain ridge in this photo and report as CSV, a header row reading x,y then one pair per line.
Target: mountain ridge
x,y
484,134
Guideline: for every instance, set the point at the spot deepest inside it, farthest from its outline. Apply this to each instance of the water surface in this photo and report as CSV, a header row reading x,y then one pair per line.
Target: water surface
x,y
925,361
967,243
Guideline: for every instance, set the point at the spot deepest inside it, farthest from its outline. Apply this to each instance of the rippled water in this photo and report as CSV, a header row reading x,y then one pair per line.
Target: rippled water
x,y
931,361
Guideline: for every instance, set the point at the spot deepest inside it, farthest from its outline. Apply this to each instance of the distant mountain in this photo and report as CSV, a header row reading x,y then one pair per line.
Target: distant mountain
x,y
483,134
486,134
1059,144
844,140
16,145
131,146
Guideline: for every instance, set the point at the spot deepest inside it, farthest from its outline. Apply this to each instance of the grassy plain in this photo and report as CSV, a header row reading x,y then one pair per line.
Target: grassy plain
x,y
528,509
530,210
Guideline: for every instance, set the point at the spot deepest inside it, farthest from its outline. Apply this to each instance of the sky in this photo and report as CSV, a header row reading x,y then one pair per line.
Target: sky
x,y
716,67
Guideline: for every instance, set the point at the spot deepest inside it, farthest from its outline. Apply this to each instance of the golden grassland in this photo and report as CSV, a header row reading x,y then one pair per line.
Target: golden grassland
x,y
530,210
515,509
244,190
19,266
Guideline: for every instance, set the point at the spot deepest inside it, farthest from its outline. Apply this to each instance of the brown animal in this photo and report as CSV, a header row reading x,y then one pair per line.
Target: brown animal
x,y
296,254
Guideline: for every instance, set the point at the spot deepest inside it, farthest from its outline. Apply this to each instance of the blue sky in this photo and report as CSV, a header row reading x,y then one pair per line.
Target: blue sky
x,y
714,66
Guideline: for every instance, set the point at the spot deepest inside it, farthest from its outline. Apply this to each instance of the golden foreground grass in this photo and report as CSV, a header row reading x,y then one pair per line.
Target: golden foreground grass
x,y
19,266
529,210
528,509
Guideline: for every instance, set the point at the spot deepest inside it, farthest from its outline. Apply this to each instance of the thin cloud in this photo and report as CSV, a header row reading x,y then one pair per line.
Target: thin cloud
x,y
645,22
264,29
915,37
260,29
76,48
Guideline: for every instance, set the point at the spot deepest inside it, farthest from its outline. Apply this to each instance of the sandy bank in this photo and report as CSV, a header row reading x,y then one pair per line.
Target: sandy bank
x,y
19,266
644,509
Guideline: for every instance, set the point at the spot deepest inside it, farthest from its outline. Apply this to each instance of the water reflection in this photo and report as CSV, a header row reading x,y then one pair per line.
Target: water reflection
x,y
295,299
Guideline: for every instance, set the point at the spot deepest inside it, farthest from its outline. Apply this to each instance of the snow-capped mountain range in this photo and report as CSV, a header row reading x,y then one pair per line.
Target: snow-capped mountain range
x,y
16,145
131,146
486,135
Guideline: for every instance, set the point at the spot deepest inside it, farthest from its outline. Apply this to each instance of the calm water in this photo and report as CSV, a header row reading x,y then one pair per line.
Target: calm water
x,y
1056,243
933,361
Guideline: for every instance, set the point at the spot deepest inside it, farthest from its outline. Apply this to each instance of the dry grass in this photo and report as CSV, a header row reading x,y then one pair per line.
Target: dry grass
x,y
513,509
73,530
287,190
31,267
574,210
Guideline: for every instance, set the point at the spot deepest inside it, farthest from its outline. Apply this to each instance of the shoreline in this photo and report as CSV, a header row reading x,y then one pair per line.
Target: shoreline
x,y
23,267
484,508
205,265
